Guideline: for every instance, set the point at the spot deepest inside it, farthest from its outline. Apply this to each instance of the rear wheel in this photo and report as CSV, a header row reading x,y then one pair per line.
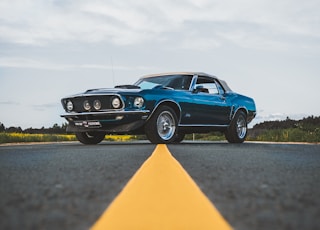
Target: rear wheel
x,y
237,131
162,126
90,138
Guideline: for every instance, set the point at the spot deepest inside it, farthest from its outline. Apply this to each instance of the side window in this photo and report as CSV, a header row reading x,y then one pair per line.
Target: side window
x,y
212,87
180,82
220,89
208,85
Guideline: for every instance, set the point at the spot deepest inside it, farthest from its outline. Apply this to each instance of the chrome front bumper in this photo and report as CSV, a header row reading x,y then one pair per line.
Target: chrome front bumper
x,y
103,113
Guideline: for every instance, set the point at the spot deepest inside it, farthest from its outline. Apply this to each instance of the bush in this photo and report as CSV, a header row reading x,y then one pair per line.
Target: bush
x,y
23,137
285,135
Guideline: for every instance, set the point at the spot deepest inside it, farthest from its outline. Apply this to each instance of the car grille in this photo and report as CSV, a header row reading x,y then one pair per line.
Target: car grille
x,y
105,103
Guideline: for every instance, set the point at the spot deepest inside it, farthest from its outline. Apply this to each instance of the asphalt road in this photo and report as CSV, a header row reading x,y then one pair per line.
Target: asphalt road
x,y
68,186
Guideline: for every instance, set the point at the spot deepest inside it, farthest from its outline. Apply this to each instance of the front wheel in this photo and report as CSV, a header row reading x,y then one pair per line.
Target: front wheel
x,y
162,126
237,131
179,137
90,138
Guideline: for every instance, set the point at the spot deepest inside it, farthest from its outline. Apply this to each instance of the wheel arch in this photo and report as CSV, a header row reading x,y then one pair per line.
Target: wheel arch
x,y
236,110
238,128
170,103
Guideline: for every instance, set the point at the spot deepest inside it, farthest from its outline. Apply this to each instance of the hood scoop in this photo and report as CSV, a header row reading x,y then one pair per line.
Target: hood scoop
x,y
127,87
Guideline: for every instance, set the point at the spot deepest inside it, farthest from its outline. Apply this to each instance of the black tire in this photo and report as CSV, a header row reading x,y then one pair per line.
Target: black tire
x,y
238,129
90,138
162,126
179,137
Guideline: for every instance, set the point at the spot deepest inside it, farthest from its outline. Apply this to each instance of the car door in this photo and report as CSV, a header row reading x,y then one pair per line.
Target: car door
x,y
209,106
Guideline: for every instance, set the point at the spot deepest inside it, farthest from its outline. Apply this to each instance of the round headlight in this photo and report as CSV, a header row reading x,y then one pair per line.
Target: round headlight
x,y
97,104
138,102
86,105
116,103
69,105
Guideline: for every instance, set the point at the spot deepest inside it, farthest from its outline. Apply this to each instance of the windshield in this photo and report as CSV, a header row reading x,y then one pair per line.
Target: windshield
x,y
147,85
179,82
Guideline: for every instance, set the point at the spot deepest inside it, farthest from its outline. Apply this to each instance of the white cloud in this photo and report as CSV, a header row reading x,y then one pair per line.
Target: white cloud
x,y
28,63
46,106
17,62
9,103
130,22
199,43
264,116
242,42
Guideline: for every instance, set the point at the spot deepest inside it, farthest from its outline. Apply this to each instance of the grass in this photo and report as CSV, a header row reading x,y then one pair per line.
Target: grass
x,y
278,135
119,137
286,135
24,137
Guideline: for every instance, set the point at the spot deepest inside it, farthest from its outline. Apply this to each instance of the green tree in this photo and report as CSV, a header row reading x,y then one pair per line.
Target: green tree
x,y
2,128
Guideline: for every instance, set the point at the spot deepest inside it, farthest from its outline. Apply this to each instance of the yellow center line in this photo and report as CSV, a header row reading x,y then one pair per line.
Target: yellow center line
x,y
161,195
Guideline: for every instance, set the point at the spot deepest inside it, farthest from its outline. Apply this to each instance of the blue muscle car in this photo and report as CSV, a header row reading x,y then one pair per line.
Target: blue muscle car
x,y
165,107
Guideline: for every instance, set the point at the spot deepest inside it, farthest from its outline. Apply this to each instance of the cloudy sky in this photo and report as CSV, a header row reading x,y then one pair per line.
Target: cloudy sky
x,y
269,50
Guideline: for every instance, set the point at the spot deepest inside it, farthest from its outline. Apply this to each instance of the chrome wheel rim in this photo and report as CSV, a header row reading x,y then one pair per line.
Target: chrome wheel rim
x,y
241,127
166,125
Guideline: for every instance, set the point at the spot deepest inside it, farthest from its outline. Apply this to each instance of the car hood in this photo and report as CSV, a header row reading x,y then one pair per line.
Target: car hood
x,y
103,91
111,90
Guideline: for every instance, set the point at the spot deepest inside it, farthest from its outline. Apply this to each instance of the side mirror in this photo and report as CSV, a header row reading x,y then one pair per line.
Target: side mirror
x,y
201,89
197,89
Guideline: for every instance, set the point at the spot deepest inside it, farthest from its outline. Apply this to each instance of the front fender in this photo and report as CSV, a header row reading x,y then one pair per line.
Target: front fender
x,y
173,104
